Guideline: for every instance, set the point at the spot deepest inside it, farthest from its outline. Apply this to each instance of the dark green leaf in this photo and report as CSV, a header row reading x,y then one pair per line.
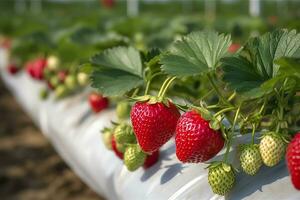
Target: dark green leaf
x,y
256,66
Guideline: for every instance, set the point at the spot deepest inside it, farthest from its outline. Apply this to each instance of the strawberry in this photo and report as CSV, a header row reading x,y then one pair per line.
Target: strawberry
x,y
60,91
12,69
71,82
134,157
221,178
153,123
250,159
30,69
98,102
62,76
195,140
151,160
234,47
107,137
272,149
293,160
38,67
82,79
54,81
53,62
123,110
115,149
124,134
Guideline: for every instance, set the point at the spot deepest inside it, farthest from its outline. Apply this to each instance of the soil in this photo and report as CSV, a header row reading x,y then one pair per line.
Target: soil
x,y
30,169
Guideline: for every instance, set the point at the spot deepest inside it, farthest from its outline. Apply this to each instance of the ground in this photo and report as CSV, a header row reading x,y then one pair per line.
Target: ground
x,y
30,169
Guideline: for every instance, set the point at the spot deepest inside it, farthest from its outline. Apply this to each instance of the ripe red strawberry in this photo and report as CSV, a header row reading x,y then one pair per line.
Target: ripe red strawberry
x,y
293,160
38,67
6,43
62,76
114,148
151,160
98,102
30,69
195,140
12,69
234,47
153,124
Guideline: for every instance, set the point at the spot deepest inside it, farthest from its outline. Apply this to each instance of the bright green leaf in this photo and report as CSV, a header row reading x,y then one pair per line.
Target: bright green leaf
x,y
196,53
122,58
117,71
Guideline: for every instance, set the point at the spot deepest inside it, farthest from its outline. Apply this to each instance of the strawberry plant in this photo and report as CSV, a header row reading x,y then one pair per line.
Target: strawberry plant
x,y
251,91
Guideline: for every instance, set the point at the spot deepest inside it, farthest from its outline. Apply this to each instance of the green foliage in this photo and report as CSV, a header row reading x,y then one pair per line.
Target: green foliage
x,y
117,70
256,65
196,53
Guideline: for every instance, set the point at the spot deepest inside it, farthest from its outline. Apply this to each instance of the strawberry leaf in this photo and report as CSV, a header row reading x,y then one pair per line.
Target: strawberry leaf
x,y
117,70
196,53
256,65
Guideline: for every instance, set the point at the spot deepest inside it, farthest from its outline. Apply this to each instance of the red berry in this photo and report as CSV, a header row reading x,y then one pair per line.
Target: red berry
x,y
30,69
153,124
195,140
12,69
114,148
234,47
108,3
293,160
6,43
98,102
38,67
151,160
62,76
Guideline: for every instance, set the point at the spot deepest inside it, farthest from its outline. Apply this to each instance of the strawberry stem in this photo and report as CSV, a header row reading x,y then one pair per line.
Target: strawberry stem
x,y
230,135
165,87
149,82
215,87
223,111
253,132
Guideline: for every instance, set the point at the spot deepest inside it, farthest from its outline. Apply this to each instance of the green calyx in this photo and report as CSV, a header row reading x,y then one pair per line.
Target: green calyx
x,y
124,134
152,99
134,157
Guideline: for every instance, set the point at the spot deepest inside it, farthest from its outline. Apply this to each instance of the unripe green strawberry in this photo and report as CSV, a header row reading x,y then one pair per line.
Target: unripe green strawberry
x,y
71,82
82,79
124,134
107,136
221,178
44,94
121,147
123,110
272,149
134,157
60,91
54,81
250,159
52,62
